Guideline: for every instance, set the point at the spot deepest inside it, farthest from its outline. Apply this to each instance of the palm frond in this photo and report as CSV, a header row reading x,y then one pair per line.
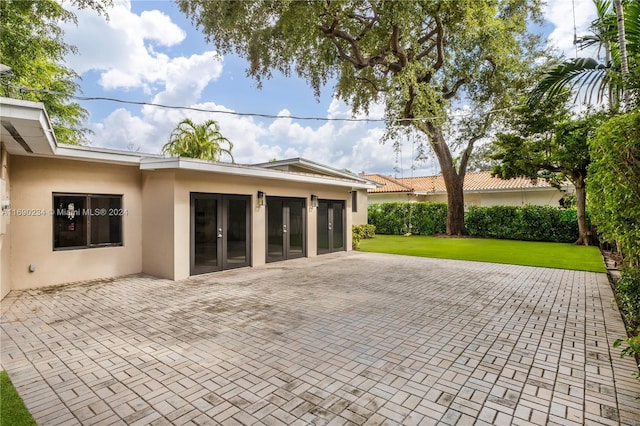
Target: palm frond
x,y
585,77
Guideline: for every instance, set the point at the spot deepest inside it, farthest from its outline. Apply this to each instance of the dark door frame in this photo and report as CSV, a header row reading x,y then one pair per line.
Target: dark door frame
x,y
285,212
330,227
221,228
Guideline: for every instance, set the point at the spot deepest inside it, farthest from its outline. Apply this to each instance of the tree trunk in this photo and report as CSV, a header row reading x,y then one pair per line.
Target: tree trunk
x,y
622,46
581,200
453,180
455,202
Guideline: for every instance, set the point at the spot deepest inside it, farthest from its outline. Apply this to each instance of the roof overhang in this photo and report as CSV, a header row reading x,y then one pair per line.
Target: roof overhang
x,y
179,163
25,128
314,167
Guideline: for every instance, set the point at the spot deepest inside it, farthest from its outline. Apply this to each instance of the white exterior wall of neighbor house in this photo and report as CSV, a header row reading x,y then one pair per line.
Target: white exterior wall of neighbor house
x,y
34,181
5,223
520,197
391,197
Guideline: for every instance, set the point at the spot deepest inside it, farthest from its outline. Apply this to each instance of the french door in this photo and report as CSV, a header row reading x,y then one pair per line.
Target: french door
x,y
331,224
220,232
286,225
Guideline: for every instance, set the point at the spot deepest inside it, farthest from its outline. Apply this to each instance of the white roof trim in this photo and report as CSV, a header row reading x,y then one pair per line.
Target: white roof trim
x,y
27,113
312,165
248,171
105,155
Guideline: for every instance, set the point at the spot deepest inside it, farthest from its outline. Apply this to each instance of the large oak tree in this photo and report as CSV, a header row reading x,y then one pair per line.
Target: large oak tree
x,y
417,57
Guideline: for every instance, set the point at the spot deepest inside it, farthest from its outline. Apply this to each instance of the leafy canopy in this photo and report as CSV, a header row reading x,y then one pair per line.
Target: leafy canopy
x,y
594,79
545,142
417,57
614,183
421,54
32,44
203,141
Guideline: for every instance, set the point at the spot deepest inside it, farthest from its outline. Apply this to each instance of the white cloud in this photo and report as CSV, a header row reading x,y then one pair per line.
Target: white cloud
x,y
123,50
133,51
560,13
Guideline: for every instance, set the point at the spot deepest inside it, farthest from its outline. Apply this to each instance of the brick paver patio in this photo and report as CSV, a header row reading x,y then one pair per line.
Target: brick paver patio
x,y
348,338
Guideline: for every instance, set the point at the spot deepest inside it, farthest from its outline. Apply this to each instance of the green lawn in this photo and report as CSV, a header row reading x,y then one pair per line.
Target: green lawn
x,y
528,253
12,409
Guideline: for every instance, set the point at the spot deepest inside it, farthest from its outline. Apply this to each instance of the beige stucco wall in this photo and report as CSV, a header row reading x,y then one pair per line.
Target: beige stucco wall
x,y
156,230
360,216
33,182
192,181
158,211
5,225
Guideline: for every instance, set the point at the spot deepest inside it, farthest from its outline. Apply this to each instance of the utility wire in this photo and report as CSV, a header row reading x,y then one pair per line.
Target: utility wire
x,y
244,114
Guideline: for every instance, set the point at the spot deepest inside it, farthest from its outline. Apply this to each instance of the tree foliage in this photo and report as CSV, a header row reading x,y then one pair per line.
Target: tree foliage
x,y
32,45
614,183
203,141
417,57
592,79
545,142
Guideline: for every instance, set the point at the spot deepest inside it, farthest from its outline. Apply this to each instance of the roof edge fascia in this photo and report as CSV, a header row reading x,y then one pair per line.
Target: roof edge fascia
x,y
181,163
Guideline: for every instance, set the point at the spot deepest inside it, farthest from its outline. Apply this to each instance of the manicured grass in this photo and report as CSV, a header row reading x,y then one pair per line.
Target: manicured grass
x,y
549,255
12,409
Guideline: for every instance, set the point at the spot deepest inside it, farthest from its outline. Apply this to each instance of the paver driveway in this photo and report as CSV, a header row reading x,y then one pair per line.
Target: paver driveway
x,y
349,338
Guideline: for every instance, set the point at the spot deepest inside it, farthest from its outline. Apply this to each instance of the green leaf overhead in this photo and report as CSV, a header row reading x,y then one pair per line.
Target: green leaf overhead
x,y
416,57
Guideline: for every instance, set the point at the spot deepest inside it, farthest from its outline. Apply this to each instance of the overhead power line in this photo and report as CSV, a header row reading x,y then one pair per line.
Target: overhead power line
x,y
242,114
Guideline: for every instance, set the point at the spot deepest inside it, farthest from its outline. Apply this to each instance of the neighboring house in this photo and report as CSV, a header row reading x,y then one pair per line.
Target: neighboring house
x,y
480,189
73,213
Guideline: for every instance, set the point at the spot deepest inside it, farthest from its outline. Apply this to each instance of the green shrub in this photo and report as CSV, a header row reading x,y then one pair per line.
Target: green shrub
x,y
614,184
421,218
627,291
527,223
361,232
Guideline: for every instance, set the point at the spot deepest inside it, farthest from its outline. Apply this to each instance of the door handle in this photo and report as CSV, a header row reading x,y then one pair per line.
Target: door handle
x,y
219,232
284,229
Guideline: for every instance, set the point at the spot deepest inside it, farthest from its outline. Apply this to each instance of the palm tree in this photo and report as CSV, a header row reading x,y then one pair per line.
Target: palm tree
x,y
620,39
203,141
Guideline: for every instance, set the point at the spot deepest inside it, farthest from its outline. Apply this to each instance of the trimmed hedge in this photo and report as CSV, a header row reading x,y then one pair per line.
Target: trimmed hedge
x,y
527,223
421,218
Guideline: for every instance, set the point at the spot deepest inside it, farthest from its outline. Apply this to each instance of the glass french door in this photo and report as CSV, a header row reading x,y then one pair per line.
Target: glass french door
x,y
331,224
285,228
220,232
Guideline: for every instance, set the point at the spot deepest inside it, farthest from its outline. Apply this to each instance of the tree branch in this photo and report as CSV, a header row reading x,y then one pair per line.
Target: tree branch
x,y
466,154
448,94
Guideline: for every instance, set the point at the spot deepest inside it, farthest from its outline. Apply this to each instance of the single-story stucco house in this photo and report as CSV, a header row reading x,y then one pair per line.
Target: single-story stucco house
x,y
480,189
73,213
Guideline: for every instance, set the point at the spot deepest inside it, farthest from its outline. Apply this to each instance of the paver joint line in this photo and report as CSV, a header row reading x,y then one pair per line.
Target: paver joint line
x,y
348,338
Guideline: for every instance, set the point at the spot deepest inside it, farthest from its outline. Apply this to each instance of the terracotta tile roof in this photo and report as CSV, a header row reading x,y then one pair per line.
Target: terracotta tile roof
x,y
473,181
389,184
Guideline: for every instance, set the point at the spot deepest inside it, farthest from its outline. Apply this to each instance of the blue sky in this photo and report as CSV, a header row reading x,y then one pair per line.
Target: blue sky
x,y
148,51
